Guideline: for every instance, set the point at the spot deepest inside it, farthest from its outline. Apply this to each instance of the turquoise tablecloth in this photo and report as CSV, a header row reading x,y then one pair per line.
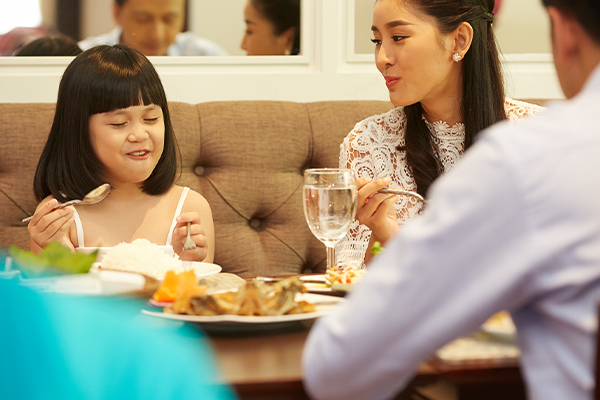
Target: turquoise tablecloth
x,y
80,347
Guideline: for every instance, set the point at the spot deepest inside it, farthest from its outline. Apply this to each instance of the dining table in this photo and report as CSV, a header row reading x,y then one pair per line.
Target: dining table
x,y
267,364
265,361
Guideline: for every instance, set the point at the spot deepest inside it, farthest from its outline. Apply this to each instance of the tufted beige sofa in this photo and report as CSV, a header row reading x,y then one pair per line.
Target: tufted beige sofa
x,y
246,158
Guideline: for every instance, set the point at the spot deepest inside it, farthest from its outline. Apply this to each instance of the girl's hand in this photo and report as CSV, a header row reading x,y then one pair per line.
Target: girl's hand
x,y
50,225
375,210
197,234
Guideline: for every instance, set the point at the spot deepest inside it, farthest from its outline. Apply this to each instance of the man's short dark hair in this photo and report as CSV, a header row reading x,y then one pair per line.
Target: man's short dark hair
x,y
585,12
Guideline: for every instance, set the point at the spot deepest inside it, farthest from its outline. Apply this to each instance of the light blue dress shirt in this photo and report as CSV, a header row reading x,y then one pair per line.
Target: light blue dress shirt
x,y
515,226
186,44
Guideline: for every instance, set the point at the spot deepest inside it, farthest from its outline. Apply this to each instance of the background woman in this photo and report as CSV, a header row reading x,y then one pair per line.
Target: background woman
x,y
272,27
112,125
441,66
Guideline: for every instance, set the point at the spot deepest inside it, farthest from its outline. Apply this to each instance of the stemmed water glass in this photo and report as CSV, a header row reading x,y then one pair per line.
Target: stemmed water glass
x,y
329,205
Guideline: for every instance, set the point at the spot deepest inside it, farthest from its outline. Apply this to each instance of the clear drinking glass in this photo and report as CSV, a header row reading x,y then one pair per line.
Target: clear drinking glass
x,y
329,205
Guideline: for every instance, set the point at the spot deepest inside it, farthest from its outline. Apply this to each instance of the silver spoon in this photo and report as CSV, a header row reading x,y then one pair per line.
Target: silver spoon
x,y
93,197
402,192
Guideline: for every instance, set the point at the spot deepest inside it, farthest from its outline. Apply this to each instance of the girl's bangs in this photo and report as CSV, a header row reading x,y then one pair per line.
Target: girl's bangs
x,y
112,92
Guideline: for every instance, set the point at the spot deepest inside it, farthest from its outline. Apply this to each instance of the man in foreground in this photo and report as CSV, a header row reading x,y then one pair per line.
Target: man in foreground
x,y
154,28
515,226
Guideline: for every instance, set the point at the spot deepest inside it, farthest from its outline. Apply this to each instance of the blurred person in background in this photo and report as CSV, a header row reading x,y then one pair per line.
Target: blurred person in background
x,y
272,27
154,27
16,38
52,46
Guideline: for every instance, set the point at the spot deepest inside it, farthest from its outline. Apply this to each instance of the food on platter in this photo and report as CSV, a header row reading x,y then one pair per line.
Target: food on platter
x,y
256,298
174,283
344,276
142,257
500,321
377,248
500,325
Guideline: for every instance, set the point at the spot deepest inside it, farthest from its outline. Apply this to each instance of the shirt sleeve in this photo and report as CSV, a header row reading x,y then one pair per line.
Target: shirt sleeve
x,y
444,274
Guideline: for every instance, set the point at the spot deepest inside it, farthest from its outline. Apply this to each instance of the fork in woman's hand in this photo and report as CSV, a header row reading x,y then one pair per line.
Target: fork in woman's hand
x,y
189,243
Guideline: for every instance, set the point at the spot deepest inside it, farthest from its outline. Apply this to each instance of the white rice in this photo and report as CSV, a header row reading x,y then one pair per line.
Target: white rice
x,y
142,257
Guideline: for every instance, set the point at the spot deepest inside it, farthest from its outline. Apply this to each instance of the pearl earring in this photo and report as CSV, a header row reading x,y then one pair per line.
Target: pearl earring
x,y
456,57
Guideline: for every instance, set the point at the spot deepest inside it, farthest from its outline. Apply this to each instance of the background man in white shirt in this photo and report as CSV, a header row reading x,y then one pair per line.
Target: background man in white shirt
x,y
515,226
154,28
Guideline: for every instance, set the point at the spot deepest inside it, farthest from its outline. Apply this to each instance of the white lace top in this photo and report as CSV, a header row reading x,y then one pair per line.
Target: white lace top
x,y
370,150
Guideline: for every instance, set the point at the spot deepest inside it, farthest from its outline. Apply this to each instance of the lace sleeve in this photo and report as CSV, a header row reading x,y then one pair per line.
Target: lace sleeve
x,y
516,110
350,251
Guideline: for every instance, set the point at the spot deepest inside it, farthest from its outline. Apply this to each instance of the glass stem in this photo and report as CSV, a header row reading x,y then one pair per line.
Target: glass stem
x,y
330,257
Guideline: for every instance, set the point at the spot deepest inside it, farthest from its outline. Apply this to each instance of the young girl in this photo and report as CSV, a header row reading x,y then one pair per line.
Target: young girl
x,y
112,125
441,66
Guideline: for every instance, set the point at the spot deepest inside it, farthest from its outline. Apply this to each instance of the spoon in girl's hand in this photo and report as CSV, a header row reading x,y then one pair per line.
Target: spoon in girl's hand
x,y
93,197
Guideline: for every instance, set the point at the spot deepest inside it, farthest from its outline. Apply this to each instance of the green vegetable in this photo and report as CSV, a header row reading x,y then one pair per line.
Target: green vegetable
x,y
377,248
54,259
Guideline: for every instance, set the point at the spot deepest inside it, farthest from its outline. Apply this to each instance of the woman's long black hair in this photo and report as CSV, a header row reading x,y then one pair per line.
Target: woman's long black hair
x,y
283,14
483,99
99,80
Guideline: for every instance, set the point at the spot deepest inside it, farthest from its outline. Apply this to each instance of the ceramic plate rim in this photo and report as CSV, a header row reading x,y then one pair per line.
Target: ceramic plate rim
x,y
213,269
243,319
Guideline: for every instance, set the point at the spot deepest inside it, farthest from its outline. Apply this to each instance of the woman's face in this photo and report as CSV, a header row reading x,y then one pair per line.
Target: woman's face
x,y
129,142
259,38
412,54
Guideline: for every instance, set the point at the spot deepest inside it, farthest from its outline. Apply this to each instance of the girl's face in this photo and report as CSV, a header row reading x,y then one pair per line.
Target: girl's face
x,y
411,53
129,142
260,39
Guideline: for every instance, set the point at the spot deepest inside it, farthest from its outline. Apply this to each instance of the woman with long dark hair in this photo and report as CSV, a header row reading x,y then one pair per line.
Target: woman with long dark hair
x,y
441,66
272,27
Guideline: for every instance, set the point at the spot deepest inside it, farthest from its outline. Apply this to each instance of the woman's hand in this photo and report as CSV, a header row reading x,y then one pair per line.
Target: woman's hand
x,y
197,234
50,225
376,210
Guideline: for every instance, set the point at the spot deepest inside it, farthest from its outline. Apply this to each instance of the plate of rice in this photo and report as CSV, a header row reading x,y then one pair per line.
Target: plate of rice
x,y
143,257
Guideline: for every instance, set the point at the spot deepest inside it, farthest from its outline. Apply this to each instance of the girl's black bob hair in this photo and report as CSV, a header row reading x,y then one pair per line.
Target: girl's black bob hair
x,y
99,80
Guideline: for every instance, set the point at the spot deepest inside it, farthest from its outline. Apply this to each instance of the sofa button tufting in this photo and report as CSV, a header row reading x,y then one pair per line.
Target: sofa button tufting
x,y
199,170
255,223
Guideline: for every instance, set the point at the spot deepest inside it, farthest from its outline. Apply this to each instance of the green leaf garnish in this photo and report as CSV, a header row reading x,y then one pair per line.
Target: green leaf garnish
x,y
54,259
377,248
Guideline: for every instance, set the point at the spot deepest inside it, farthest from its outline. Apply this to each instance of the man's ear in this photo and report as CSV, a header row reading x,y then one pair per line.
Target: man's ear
x,y
463,37
565,37
289,36
116,11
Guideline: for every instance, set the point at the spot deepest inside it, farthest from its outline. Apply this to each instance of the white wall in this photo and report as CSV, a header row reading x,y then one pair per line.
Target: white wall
x,y
221,21
521,26
96,17
328,69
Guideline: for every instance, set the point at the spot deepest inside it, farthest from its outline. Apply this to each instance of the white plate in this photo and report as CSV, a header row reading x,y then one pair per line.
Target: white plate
x,y
202,269
98,283
324,305
313,278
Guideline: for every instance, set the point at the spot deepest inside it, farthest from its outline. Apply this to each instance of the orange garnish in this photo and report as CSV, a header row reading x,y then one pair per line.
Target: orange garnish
x,y
175,285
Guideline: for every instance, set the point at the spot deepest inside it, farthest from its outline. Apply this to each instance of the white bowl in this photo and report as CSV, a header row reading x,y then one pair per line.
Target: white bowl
x,y
168,250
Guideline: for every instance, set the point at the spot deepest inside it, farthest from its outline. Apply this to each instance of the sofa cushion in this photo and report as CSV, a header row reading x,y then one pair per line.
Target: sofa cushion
x,y
246,157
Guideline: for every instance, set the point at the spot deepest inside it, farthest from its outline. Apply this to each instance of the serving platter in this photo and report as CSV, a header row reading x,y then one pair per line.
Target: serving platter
x,y
232,323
